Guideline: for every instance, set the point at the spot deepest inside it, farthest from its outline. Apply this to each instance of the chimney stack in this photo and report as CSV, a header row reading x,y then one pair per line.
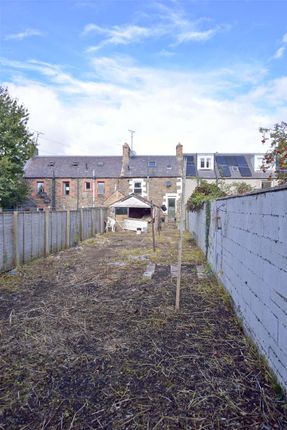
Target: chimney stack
x,y
179,152
125,159
126,153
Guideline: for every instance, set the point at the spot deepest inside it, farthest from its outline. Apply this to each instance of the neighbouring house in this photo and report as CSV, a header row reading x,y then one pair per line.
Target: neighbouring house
x,y
72,182
228,168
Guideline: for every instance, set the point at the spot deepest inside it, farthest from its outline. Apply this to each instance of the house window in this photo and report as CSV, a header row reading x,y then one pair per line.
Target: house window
x,y
205,162
87,186
121,211
258,162
137,187
101,187
66,188
40,187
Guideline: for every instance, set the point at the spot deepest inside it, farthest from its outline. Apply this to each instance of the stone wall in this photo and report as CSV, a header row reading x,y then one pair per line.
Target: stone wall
x,y
155,189
247,249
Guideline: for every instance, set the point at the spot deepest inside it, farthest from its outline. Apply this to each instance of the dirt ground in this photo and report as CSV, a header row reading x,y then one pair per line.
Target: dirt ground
x,y
87,342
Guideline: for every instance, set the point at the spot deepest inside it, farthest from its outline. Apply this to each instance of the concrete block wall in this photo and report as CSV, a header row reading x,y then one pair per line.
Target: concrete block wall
x,y
248,252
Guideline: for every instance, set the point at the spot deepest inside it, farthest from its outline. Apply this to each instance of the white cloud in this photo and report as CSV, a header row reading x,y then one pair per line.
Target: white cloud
x,y
172,23
163,106
279,53
29,32
281,50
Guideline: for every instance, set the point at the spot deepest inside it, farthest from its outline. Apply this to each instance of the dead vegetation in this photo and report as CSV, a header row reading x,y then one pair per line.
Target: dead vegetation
x,y
88,343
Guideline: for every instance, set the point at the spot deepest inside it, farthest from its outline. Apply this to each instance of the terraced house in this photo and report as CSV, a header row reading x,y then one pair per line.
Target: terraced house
x,y
72,182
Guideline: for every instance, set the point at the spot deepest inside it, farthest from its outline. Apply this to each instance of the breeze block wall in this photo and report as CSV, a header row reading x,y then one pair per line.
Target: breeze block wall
x,y
245,240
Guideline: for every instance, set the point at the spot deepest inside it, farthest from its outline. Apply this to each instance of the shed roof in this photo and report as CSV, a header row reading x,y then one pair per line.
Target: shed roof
x,y
132,201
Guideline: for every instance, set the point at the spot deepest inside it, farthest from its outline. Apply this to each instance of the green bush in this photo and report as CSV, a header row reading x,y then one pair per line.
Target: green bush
x,y
204,192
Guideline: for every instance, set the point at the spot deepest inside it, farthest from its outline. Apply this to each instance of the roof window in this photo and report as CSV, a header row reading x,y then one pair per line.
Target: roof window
x,y
51,163
100,163
151,164
75,163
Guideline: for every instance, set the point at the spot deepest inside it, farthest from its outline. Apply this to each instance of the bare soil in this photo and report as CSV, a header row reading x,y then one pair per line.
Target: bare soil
x,y
88,343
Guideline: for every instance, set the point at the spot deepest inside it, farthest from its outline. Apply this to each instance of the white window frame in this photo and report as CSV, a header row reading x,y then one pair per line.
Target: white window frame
x,y
102,183
141,188
40,186
66,188
258,161
208,161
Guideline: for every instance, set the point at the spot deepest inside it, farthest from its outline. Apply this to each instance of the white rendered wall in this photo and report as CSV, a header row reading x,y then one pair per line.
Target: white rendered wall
x,y
248,251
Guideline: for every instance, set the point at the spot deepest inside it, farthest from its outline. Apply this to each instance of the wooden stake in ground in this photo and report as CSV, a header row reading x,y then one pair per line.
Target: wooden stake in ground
x,y
152,228
181,228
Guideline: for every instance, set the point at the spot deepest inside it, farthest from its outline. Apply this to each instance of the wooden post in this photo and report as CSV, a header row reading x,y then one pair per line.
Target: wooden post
x,y
46,235
68,224
152,228
181,226
15,239
81,224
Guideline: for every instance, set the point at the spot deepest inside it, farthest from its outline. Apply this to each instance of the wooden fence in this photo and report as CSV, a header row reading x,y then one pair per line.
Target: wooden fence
x,y
25,236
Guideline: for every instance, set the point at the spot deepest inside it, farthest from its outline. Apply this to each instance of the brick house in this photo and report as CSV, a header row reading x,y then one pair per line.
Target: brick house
x,y
72,182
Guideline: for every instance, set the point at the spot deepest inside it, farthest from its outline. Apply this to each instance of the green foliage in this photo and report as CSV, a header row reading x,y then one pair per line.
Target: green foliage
x,y
237,188
276,156
241,188
16,147
204,192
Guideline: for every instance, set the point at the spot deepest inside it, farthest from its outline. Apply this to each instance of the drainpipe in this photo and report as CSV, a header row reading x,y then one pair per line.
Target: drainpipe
x,y
78,193
93,188
53,191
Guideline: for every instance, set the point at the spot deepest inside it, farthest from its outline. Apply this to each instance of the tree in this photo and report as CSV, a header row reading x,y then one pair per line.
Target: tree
x,y
16,147
276,156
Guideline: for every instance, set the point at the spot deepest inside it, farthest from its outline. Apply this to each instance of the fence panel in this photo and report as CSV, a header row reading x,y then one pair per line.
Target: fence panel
x,y
6,241
23,234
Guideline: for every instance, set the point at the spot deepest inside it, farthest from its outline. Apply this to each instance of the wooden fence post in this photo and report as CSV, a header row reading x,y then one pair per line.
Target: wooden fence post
x,y
68,224
81,224
46,241
15,239
93,222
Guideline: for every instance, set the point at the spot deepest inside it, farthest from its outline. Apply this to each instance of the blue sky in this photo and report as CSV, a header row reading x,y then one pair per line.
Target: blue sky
x,y
207,74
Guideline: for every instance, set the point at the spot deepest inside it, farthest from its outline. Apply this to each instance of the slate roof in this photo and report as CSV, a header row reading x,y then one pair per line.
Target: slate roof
x,y
141,166
226,166
73,167
103,166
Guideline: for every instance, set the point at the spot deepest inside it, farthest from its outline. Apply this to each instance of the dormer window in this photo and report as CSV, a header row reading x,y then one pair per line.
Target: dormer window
x,y
259,161
205,162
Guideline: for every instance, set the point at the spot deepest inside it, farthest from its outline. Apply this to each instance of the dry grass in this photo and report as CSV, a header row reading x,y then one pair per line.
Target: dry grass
x,y
87,343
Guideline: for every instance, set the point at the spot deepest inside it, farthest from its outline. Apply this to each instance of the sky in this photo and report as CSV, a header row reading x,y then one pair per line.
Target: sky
x,y
207,74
